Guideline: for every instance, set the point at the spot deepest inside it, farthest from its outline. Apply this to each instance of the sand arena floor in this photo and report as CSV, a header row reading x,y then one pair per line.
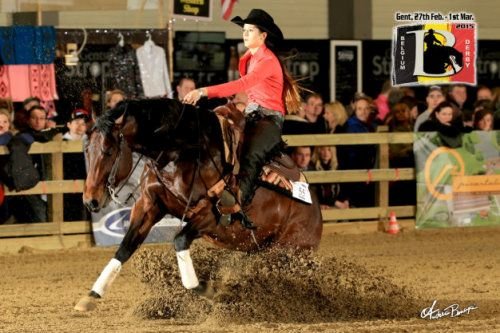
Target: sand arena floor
x,y
355,283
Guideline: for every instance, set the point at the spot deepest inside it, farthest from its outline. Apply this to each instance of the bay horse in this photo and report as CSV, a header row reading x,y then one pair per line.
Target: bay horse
x,y
185,152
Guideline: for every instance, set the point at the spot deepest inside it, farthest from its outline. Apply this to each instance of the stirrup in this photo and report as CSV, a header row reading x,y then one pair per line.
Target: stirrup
x,y
244,220
225,220
226,206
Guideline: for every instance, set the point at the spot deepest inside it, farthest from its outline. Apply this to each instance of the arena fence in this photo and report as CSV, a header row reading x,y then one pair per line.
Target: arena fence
x,y
60,233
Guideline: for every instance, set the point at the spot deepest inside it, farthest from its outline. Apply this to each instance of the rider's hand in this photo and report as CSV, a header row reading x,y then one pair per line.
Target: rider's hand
x,y
194,96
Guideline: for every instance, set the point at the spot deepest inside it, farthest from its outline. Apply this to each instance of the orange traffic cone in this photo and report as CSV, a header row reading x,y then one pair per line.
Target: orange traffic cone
x,y
393,227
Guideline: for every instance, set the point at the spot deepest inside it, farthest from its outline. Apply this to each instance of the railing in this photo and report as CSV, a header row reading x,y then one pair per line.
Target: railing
x,y
54,188
57,186
382,175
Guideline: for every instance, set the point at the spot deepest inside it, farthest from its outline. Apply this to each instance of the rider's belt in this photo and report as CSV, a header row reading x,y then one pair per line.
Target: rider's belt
x,y
252,107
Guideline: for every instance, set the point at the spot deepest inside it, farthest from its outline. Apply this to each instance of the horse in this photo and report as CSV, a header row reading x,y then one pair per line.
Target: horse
x,y
438,58
184,148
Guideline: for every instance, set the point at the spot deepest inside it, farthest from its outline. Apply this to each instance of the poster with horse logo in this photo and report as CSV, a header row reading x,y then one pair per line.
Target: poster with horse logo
x,y
440,49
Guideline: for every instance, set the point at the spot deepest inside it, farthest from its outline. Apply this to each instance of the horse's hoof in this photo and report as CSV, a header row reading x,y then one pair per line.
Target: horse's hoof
x,y
205,289
86,303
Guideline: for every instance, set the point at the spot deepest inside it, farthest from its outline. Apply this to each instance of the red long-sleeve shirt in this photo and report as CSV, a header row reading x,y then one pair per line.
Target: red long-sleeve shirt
x,y
261,79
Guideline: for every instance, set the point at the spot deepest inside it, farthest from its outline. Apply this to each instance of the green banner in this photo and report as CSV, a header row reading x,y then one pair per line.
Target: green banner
x,y
457,187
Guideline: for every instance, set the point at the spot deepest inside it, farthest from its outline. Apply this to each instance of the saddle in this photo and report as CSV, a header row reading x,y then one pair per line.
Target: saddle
x,y
278,174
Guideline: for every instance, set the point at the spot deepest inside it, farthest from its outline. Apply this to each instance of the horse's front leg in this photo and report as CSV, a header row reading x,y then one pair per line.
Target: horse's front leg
x,y
182,242
143,216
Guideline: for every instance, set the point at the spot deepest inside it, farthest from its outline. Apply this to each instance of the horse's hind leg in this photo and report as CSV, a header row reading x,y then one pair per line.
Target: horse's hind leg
x,y
182,242
141,223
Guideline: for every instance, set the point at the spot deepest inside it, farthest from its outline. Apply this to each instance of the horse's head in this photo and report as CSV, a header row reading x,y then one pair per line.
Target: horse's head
x,y
108,158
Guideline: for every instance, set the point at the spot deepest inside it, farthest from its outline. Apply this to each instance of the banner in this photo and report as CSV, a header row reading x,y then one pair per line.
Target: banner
x,y
200,10
439,49
457,187
111,223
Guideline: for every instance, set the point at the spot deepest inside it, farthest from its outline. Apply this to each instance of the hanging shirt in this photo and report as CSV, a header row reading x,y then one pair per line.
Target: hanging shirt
x,y
154,70
261,79
124,71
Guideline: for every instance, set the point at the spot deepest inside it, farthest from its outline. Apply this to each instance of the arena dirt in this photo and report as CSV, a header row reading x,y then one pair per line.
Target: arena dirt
x,y
369,283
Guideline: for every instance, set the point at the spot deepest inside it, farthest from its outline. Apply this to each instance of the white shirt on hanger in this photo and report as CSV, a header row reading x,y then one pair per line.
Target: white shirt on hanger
x,y
154,70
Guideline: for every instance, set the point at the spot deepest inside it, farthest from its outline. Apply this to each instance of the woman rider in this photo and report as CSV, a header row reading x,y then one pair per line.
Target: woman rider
x,y
270,90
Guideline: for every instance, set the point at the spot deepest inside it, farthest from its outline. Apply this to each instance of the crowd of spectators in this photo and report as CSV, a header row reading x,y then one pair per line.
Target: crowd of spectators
x,y
449,110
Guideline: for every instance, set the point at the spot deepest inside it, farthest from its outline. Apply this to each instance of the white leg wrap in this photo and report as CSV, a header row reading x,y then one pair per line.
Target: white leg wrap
x,y
188,275
107,276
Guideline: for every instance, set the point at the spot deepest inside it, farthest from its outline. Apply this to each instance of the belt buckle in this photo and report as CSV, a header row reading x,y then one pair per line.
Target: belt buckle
x,y
251,107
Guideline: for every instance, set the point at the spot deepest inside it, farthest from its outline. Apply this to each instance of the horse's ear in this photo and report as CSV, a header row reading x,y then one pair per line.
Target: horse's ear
x,y
119,110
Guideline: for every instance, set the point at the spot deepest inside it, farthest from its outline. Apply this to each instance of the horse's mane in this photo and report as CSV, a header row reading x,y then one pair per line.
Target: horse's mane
x,y
161,119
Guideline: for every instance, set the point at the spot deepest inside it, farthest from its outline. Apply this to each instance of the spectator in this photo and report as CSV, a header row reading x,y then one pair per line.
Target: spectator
x,y
295,123
90,102
113,97
302,158
395,96
21,116
32,208
401,156
335,116
483,120
5,136
443,121
355,157
413,104
484,93
458,94
74,166
324,159
382,101
186,84
400,119
77,126
313,110
434,97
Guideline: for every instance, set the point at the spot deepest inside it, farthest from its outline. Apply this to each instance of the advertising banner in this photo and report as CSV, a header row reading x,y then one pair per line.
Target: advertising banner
x,y
111,223
457,186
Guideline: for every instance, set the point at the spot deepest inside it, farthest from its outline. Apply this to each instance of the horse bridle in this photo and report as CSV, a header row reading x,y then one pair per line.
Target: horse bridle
x,y
110,183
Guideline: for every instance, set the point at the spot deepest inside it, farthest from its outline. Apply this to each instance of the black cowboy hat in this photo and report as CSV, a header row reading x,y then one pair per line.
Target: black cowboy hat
x,y
262,20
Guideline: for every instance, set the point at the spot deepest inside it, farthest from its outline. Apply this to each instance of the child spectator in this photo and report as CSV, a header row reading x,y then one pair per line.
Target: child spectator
x,y
74,166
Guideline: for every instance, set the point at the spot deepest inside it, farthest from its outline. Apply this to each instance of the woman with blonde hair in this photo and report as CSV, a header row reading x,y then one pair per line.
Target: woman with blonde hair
x,y
324,159
335,116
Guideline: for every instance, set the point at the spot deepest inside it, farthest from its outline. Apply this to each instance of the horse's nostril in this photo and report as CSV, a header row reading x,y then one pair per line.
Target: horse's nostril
x,y
94,204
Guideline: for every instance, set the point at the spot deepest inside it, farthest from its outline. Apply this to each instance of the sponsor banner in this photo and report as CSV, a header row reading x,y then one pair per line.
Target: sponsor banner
x,y
439,49
200,10
458,187
111,223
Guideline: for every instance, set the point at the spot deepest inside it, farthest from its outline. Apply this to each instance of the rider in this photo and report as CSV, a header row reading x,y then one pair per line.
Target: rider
x,y
430,39
270,90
